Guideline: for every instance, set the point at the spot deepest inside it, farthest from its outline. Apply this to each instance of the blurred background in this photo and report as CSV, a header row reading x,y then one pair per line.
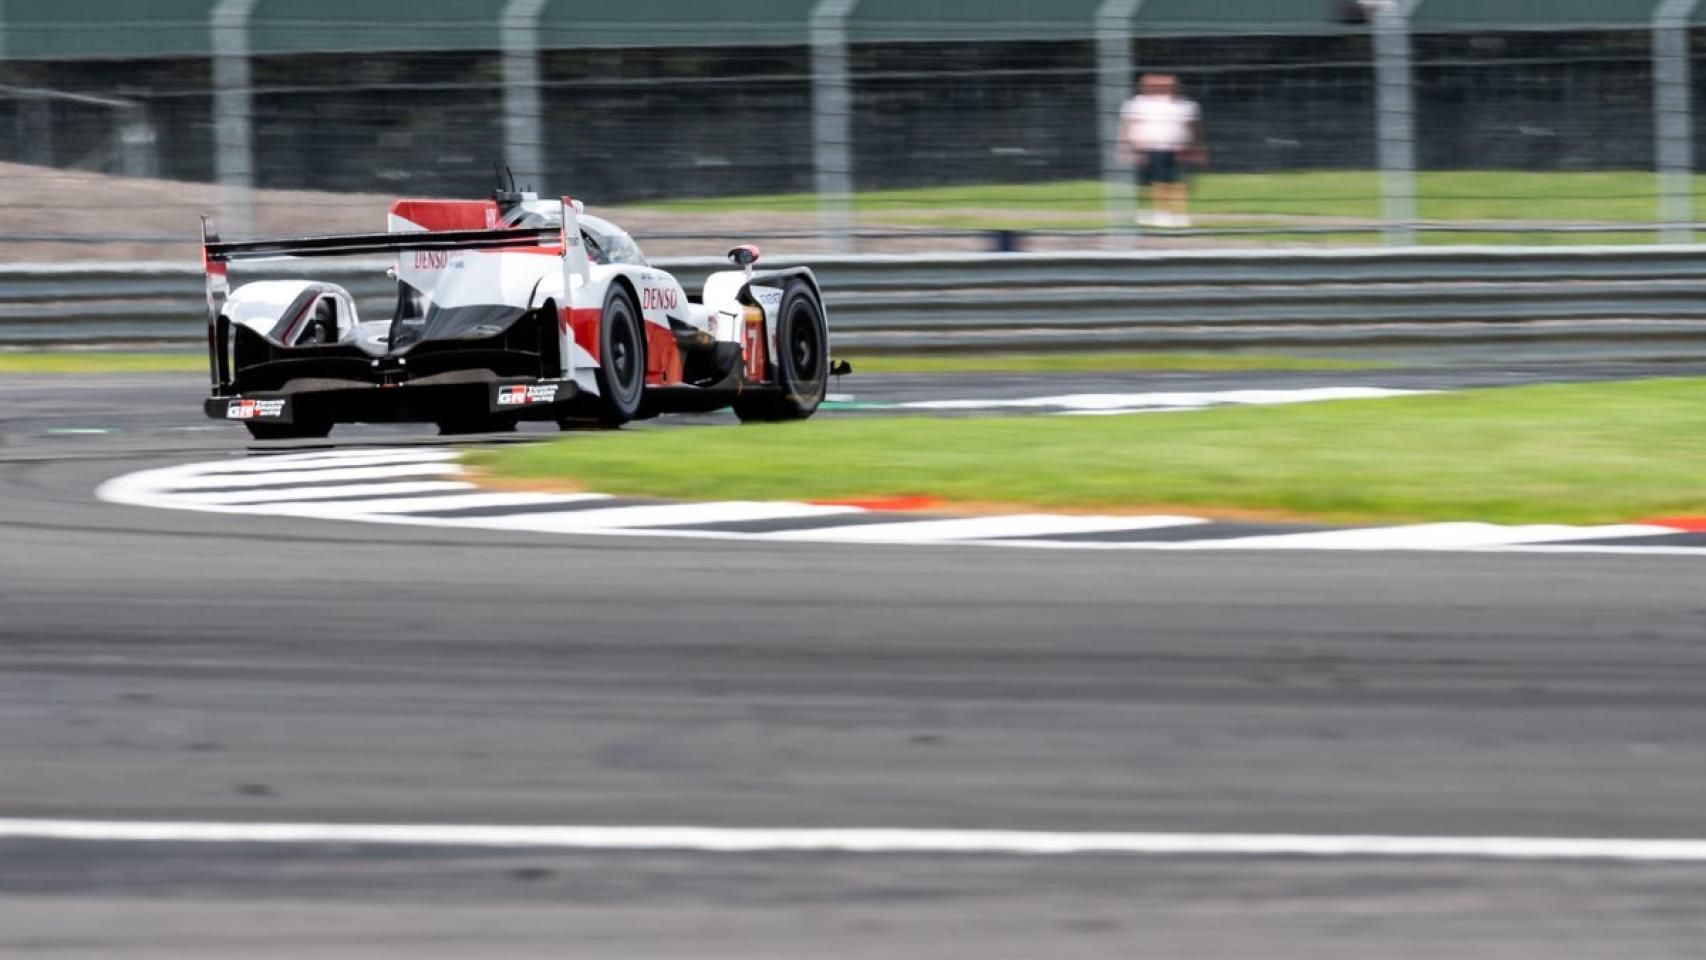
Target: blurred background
x,y
869,125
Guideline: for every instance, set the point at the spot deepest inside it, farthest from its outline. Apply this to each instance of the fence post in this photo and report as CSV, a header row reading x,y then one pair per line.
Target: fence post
x,y
1114,20
1397,118
524,113
1673,118
35,131
138,141
233,103
832,121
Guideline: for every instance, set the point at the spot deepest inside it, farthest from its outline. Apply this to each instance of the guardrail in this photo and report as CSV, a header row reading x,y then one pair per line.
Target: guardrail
x,y
1515,301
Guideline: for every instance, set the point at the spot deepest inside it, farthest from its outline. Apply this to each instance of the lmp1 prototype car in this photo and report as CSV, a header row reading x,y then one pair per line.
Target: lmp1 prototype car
x,y
508,309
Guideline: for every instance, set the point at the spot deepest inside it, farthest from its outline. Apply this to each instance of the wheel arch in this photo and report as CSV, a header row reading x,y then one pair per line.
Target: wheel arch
x,y
767,278
626,282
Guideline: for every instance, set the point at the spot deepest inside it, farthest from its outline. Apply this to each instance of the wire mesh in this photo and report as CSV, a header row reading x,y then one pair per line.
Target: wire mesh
x,y
1524,101
1521,132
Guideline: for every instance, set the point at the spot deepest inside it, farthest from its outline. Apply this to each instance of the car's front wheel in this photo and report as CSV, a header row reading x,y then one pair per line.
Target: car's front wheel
x,y
621,359
801,363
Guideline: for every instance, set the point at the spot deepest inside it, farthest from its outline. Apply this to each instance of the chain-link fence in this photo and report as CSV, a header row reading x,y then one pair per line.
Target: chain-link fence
x,y
1541,136
1535,101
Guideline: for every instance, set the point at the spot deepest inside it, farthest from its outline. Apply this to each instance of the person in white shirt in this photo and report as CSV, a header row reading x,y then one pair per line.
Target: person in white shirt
x,y
1161,131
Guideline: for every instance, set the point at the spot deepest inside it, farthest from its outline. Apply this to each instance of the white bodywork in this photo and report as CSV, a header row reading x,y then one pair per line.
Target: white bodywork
x,y
260,305
528,278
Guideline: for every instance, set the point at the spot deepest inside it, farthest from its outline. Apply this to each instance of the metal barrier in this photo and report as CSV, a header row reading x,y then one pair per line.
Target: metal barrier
x,y
1518,302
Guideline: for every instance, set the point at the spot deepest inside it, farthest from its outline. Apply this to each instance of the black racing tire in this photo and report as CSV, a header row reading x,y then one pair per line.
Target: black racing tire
x,y
801,363
621,373
306,430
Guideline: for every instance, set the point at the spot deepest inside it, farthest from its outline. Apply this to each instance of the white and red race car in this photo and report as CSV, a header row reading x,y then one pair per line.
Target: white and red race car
x,y
508,309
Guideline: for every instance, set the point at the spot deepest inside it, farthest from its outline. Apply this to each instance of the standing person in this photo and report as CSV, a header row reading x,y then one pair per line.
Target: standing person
x,y
1164,130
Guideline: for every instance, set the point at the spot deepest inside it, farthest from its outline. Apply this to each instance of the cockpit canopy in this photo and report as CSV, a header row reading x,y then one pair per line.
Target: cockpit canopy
x,y
605,241
608,243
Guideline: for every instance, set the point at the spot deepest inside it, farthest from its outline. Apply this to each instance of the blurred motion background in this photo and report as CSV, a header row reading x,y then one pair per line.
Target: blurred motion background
x,y
869,125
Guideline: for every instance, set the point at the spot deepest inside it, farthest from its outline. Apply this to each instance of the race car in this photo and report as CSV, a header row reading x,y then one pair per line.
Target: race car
x,y
508,309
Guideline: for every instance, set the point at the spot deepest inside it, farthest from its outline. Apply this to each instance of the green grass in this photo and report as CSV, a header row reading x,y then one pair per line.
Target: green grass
x,y
77,361
1537,239
1092,362
1619,196
1595,453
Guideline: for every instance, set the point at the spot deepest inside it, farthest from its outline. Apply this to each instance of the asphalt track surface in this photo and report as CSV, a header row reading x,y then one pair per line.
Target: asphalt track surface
x,y
159,665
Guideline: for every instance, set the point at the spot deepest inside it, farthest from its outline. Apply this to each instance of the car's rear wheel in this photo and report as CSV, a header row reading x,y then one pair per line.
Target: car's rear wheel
x,y
801,362
621,359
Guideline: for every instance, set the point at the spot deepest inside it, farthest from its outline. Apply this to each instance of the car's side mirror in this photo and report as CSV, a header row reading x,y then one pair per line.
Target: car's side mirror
x,y
744,255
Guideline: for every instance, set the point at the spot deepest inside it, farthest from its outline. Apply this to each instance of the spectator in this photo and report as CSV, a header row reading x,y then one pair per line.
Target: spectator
x,y
1163,131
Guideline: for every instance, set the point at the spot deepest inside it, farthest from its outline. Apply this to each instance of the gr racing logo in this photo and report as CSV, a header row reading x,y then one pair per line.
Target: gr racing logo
x,y
254,409
522,394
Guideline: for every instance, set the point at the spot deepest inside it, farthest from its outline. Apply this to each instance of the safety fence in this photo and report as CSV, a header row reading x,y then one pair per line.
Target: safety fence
x,y
840,115
1490,303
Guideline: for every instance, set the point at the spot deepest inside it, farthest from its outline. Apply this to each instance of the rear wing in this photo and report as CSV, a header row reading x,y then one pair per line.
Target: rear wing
x,y
215,255
350,245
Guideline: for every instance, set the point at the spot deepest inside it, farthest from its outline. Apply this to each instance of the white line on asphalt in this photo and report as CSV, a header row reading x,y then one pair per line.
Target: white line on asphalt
x,y
403,511
1136,402
662,515
1434,536
376,491
475,499
310,476
974,528
866,840
318,461
1672,551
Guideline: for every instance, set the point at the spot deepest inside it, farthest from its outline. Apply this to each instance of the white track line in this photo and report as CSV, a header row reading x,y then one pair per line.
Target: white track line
x,y
975,528
285,464
461,501
619,518
1136,402
1617,549
893,841
401,511
214,481
1434,536
350,453
376,491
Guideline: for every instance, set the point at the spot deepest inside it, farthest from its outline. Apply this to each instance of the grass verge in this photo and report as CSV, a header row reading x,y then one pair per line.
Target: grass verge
x,y
78,361
1625,196
1094,362
1593,453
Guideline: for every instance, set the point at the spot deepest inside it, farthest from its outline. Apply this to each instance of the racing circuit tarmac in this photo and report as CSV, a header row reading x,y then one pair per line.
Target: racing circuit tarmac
x,y
168,666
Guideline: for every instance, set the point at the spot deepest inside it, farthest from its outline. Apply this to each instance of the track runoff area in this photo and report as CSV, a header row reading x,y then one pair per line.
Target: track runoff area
x,y
427,487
